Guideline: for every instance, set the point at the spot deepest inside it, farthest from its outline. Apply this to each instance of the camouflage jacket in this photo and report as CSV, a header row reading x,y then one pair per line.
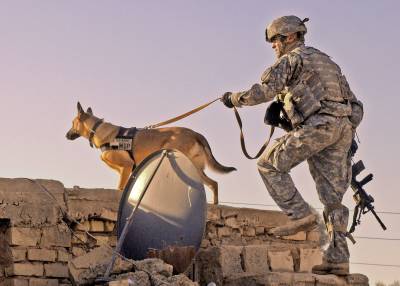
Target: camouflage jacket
x,y
274,81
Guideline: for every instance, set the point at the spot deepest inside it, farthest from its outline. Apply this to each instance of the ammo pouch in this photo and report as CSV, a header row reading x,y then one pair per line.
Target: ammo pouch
x,y
275,116
304,98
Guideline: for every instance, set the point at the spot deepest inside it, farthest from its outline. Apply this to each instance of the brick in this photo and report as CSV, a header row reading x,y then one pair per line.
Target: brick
x,y
109,226
25,269
260,230
357,279
327,280
230,259
102,239
231,222
63,255
83,226
303,279
224,231
96,226
79,238
229,212
42,255
43,282
281,261
300,236
109,214
213,213
15,282
23,236
255,259
205,243
78,251
112,240
249,231
58,235
59,270
309,258
18,254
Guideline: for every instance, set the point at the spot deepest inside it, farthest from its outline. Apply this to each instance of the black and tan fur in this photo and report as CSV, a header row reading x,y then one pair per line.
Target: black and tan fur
x,y
145,142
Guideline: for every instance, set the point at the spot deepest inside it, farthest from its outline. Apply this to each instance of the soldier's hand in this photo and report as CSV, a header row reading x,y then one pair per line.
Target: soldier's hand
x,y
226,99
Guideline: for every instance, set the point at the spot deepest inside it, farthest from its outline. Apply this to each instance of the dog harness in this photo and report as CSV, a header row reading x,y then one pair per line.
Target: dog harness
x,y
123,141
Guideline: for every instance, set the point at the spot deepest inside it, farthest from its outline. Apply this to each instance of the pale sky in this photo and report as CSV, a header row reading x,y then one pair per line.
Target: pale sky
x,y
140,62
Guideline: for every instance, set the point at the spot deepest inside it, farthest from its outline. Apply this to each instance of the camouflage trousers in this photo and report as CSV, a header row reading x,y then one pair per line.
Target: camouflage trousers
x,y
326,149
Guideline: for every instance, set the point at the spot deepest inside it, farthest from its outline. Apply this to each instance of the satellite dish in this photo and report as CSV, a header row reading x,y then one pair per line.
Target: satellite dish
x,y
168,200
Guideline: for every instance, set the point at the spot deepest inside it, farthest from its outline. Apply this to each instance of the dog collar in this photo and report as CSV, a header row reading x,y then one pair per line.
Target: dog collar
x,y
93,131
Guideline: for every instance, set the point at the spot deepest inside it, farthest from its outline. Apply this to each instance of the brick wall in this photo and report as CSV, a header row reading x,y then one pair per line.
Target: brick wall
x,y
37,245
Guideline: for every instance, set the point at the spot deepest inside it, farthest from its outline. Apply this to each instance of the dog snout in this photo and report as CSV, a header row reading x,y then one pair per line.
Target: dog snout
x,y
72,135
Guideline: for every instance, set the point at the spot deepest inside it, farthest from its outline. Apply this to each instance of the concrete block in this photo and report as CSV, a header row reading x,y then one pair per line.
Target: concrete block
x,y
23,236
43,282
255,259
18,254
63,255
42,255
281,261
59,270
96,225
133,278
25,269
308,258
58,235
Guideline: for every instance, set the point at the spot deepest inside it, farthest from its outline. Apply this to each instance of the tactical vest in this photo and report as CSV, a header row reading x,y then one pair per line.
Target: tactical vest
x,y
320,88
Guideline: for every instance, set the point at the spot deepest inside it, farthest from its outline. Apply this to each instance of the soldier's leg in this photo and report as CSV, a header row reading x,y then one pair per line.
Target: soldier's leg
x,y
290,150
331,170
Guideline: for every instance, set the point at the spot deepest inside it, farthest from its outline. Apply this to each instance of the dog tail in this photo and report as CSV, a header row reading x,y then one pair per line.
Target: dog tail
x,y
212,163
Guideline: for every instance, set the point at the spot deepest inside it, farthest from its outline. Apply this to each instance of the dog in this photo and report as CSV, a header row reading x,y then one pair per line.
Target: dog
x,y
144,142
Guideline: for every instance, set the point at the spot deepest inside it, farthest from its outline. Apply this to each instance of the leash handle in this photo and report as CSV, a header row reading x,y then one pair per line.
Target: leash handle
x,y
177,118
242,143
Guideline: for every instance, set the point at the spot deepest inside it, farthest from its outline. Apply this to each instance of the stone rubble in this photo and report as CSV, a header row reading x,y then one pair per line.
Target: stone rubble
x,y
37,246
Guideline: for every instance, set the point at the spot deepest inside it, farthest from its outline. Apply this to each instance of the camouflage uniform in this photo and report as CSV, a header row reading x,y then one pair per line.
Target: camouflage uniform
x,y
322,135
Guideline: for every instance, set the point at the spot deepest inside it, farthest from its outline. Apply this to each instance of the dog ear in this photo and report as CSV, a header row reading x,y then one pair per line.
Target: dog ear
x,y
80,109
89,111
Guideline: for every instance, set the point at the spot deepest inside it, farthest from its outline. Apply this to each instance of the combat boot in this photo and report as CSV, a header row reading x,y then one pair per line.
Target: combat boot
x,y
331,268
294,226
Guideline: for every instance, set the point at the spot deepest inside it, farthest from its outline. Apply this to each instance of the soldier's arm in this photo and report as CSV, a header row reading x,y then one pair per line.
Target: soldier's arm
x,y
274,80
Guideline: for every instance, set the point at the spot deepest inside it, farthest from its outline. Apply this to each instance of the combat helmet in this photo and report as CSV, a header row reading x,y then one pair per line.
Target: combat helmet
x,y
284,26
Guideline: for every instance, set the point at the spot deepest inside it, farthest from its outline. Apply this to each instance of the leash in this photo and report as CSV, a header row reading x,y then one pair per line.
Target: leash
x,y
238,119
182,115
242,143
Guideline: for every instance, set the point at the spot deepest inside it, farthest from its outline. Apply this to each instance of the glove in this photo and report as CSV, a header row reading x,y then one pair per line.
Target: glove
x,y
226,99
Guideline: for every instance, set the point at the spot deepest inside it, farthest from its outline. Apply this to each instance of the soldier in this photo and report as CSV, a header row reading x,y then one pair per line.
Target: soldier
x,y
320,113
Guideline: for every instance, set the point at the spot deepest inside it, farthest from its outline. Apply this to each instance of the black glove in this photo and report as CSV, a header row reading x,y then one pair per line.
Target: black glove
x,y
226,99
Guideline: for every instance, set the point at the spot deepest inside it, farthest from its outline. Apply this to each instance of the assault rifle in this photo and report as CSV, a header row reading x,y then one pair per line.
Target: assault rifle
x,y
363,200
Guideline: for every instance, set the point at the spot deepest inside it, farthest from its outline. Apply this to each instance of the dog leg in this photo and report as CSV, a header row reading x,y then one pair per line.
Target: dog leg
x,y
213,185
120,161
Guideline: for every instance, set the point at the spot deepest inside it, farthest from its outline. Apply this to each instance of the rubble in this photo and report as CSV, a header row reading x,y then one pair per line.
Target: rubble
x,y
50,235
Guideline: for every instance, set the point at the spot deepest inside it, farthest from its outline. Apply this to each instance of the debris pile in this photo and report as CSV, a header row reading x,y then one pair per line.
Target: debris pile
x,y
50,235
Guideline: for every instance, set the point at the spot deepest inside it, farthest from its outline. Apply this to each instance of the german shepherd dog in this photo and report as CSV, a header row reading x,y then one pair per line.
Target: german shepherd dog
x,y
145,142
